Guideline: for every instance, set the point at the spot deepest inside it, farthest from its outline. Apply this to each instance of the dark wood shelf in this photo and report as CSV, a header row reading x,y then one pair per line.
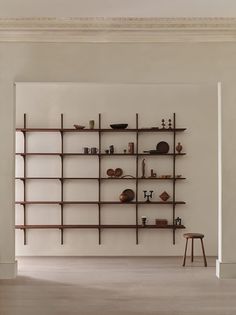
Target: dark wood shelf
x,y
98,154
56,202
97,226
99,157
102,178
58,178
98,203
99,130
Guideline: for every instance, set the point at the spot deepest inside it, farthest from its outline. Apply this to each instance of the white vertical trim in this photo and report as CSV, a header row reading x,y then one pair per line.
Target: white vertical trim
x,y
219,92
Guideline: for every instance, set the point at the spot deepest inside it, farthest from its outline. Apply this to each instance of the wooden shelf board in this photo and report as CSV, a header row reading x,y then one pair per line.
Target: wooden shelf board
x,y
59,178
96,226
97,154
97,202
98,130
102,178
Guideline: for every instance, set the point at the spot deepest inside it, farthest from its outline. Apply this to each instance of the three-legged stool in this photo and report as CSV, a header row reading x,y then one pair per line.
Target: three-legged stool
x,y
193,236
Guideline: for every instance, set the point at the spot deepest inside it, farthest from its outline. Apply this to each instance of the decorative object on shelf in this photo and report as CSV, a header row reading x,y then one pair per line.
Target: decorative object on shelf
x,y
153,175
163,124
162,147
170,124
178,176
179,147
161,222
127,176
168,176
94,150
164,196
86,150
130,194
148,195
124,197
154,128
111,148
178,221
118,172
79,127
91,124
151,151
144,220
107,151
131,147
127,195
125,151
143,168
119,126
110,172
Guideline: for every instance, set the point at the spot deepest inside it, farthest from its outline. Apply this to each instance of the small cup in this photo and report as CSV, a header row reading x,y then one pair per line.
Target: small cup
x,y
111,147
107,151
86,150
94,150
91,124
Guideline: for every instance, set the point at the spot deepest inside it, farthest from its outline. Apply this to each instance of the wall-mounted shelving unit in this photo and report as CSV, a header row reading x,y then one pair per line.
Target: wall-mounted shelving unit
x,y
62,203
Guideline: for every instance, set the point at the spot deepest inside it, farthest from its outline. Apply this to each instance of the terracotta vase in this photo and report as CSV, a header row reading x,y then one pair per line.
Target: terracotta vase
x,y
179,147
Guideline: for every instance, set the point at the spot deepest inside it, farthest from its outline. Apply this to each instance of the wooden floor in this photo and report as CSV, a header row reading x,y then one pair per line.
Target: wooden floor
x,y
112,286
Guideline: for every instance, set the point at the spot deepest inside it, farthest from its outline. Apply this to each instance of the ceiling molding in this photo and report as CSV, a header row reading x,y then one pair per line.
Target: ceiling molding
x,y
109,30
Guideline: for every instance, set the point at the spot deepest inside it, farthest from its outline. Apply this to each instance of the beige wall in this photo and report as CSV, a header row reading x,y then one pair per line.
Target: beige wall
x,y
202,63
112,8
193,105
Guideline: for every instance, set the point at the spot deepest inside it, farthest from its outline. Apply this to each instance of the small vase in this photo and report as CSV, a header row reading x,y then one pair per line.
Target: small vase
x,y
179,147
91,124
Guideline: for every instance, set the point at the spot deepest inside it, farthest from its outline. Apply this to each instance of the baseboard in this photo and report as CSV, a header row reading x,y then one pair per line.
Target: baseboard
x,y
225,270
8,270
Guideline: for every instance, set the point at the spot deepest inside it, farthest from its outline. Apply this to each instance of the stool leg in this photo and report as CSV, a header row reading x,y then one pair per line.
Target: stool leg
x,y
203,251
192,250
186,246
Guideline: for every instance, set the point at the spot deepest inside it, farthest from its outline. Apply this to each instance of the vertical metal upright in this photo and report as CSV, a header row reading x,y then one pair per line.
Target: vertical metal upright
x,y
174,175
137,178
62,178
99,178
24,179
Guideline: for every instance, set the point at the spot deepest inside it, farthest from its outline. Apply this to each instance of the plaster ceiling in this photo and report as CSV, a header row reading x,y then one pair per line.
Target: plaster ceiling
x,y
117,8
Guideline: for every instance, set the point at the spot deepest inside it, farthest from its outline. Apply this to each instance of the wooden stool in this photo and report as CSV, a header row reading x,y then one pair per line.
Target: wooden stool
x,y
194,236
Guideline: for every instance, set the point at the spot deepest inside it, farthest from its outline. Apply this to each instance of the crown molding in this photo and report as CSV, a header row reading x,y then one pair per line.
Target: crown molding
x,y
118,30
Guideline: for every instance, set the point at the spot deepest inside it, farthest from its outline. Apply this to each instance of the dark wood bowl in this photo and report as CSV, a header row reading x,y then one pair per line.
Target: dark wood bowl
x,y
119,126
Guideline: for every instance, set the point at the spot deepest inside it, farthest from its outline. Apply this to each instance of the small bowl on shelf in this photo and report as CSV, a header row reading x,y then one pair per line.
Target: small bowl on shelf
x,y
79,126
119,126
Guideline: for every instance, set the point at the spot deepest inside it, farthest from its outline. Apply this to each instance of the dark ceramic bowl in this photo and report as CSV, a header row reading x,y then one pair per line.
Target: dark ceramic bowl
x,y
130,193
119,126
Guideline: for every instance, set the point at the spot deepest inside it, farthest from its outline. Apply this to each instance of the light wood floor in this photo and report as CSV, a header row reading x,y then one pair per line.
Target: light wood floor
x,y
112,286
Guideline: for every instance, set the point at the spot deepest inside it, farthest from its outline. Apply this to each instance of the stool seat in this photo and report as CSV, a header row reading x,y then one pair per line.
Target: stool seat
x,y
193,235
